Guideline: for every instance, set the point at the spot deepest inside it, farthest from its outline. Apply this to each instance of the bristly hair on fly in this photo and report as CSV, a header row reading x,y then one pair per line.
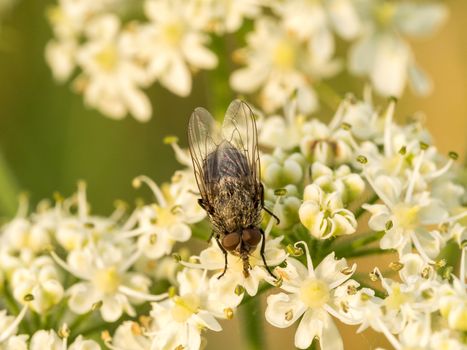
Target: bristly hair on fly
x,y
227,170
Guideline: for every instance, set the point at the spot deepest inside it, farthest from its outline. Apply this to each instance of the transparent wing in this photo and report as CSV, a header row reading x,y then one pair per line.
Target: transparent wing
x,y
203,139
239,128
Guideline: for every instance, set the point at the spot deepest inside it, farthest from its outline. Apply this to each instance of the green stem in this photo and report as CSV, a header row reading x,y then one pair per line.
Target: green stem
x,y
346,248
378,293
262,288
252,324
79,320
93,329
9,189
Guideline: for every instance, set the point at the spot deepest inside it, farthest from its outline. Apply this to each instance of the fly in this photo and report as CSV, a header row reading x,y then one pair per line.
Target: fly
x,y
227,170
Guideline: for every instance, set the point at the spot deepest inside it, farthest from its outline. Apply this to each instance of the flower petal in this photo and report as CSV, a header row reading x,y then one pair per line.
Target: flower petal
x,y
283,310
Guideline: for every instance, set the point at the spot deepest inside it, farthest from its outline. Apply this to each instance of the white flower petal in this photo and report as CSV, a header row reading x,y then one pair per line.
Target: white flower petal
x,y
309,327
283,310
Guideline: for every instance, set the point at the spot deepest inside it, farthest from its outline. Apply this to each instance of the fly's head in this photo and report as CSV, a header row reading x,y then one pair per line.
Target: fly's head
x,y
243,241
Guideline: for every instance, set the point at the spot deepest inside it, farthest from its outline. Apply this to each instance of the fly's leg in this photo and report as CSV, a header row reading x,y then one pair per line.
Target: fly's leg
x,y
225,256
263,246
201,203
272,214
266,209
210,237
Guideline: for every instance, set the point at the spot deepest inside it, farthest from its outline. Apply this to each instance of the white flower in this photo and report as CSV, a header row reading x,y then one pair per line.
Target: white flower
x,y
163,224
212,258
49,340
328,144
106,281
405,216
45,340
223,16
383,54
16,342
310,293
178,321
281,169
112,77
60,56
453,305
315,20
342,180
282,131
41,281
364,118
172,46
324,214
8,328
129,335
276,66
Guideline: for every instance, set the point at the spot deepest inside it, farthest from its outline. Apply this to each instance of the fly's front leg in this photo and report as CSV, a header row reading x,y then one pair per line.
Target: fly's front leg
x,y
263,246
225,256
210,236
266,209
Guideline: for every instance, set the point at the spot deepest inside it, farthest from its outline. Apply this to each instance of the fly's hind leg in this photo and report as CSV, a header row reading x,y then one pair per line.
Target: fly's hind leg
x,y
263,246
266,209
225,256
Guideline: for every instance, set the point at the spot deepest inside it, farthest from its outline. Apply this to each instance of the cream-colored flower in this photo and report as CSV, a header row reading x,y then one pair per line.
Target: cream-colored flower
x,y
212,258
279,65
112,76
41,281
106,281
309,293
324,214
178,321
383,54
172,46
160,226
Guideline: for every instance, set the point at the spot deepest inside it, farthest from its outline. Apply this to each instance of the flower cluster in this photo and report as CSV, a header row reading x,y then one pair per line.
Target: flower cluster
x,y
68,275
114,49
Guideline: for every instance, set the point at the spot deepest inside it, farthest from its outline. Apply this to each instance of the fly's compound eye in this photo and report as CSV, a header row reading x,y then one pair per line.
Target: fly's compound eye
x,y
231,241
251,236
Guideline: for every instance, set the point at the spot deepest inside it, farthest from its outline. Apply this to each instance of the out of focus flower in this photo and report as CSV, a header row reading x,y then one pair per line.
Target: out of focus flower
x,y
279,65
383,54
172,46
40,282
50,340
112,77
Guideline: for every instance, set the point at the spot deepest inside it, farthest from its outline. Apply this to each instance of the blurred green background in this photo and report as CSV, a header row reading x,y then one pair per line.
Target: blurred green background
x,y
49,139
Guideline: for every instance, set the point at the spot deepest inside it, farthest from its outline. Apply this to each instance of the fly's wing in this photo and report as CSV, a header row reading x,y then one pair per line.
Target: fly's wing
x,y
239,128
202,137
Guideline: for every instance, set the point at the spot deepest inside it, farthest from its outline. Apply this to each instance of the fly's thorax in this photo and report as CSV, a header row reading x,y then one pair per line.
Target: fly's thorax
x,y
234,206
